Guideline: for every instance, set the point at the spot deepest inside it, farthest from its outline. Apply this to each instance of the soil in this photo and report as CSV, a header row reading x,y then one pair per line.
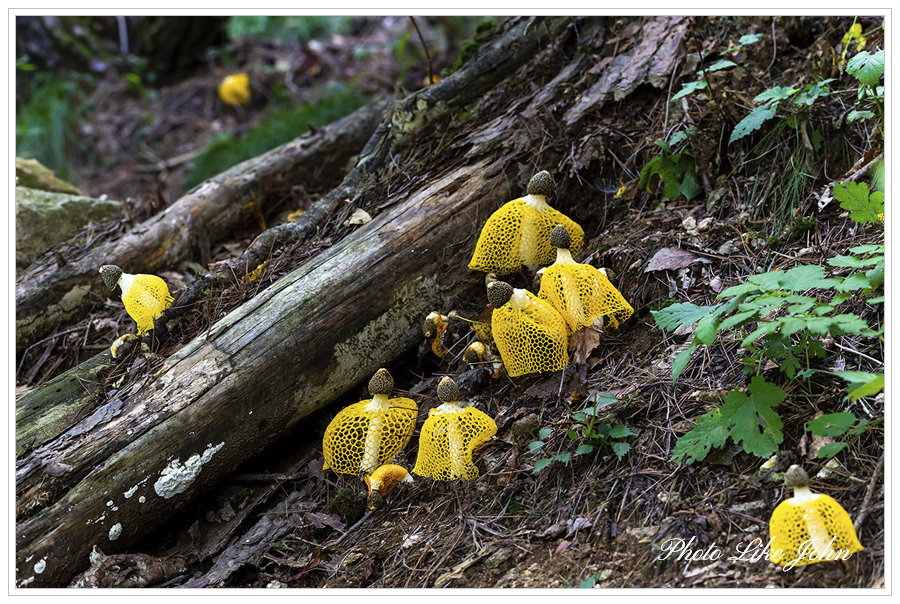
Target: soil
x,y
598,520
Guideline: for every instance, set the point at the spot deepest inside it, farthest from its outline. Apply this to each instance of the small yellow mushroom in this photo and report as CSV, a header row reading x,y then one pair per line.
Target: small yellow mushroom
x,y
530,334
235,90
519,232
434,328
146,297
581,293
369,433
450,436
809,527
382,481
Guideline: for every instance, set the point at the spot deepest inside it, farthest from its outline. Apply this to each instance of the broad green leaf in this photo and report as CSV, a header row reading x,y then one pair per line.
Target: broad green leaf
x,y
683,313
681,135
873,387
856,379
853,283
791,325
544,433
799,309
854,196
535,445
867,68
565,458
742,415
707,328
859,115
831,424
621,449
681,362
662,144
867,249
572,434
696,444
805,374
863,424
764,328
749,39
808,276
584,449
604,399
588,583
620,431
739,319
876,300
830,450
688,88
689,187
718,66
846,261
752,122
778,93
747,287
541,464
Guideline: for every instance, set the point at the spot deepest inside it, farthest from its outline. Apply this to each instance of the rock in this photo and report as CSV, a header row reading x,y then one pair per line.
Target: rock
x,y
33,174
44,219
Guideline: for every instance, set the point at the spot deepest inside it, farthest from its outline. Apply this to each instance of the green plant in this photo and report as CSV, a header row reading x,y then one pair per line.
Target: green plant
x,y
836,425
786,326
287,30
273,130
676,170
701,84
868,69
589,431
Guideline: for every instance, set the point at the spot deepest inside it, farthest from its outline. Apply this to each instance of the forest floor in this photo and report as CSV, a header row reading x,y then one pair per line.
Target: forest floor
x,y
591,520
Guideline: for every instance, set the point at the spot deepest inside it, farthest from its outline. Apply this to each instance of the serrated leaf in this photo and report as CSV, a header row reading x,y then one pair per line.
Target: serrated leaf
x,y
873,387
809,276
584,449
867,68
853,283
621,449
707,328
688,88
749,39
535,445
742,414
830,450
738,319
845,261
806,373
854,196
620,431
752,122
867,249
763,329
741,288
572,434
778,93
718,66
876,300
674,316
604,399
681,361
544,433
831,424
696,444
564,458
541,464
791,325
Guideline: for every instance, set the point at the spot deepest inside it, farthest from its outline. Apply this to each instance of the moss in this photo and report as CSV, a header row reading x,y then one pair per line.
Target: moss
x,y
348,505
662,303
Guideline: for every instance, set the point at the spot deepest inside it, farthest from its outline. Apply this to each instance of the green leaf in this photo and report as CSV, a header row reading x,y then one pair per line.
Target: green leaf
x,y
681,361
718,66
662,144
859,115
749,39
846,261
854,196
806,373
572,434
863,424
565,458
752,122
696,444
688,88
674,316
588,583
832,424
808,276
830,450
867,249
742,415
856,379
541,464
707,328
778,93
791,325
867,68
621,449
854,283
544,433
680,136
620,431
603,399
535,445
689,187
868,389
584,449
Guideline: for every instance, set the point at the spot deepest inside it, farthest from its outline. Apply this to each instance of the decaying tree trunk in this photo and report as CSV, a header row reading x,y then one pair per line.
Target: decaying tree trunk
x,y
328,325
48,295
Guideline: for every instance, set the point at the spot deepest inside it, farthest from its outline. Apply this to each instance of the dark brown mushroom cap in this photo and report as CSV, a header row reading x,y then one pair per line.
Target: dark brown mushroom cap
x,y
448,391
474,352
110,274
796,477
542,183
429,327
559,237
381,382
374,501
499,293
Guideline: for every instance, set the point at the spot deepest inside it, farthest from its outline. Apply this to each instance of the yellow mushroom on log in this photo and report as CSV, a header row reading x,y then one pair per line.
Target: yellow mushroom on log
x,y
146,297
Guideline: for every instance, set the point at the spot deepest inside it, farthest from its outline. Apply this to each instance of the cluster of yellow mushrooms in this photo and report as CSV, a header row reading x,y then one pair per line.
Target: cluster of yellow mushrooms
x,y
530,333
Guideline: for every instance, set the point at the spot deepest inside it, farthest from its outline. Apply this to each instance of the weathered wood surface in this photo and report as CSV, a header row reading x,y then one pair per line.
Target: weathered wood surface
x,y
48,295
314,334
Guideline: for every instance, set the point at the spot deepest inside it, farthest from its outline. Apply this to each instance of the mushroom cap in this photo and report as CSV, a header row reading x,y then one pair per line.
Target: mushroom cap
x,y
499,293
110,274
430,326
542,183
559,237
473,353
235,89
796,477
381,382
374,501
448,391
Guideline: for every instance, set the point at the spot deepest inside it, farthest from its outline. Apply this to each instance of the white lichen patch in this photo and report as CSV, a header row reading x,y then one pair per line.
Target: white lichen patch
x,y
25,582
41,565
142,499
109,503
177,477
131,492
115,531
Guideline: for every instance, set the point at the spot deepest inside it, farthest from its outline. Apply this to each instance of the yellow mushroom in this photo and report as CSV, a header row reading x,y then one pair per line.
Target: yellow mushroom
x,y
519,232
235,90
809,527
434,328
146,297
369,433
450,436
382,481
530,334
581,293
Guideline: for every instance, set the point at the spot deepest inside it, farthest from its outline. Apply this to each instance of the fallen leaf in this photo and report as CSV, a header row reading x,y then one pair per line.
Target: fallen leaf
x,y
672,258
583,342
563,545
323,519
359,216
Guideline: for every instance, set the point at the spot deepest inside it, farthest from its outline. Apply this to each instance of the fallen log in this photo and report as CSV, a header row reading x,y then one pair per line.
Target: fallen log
x,y
49,295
